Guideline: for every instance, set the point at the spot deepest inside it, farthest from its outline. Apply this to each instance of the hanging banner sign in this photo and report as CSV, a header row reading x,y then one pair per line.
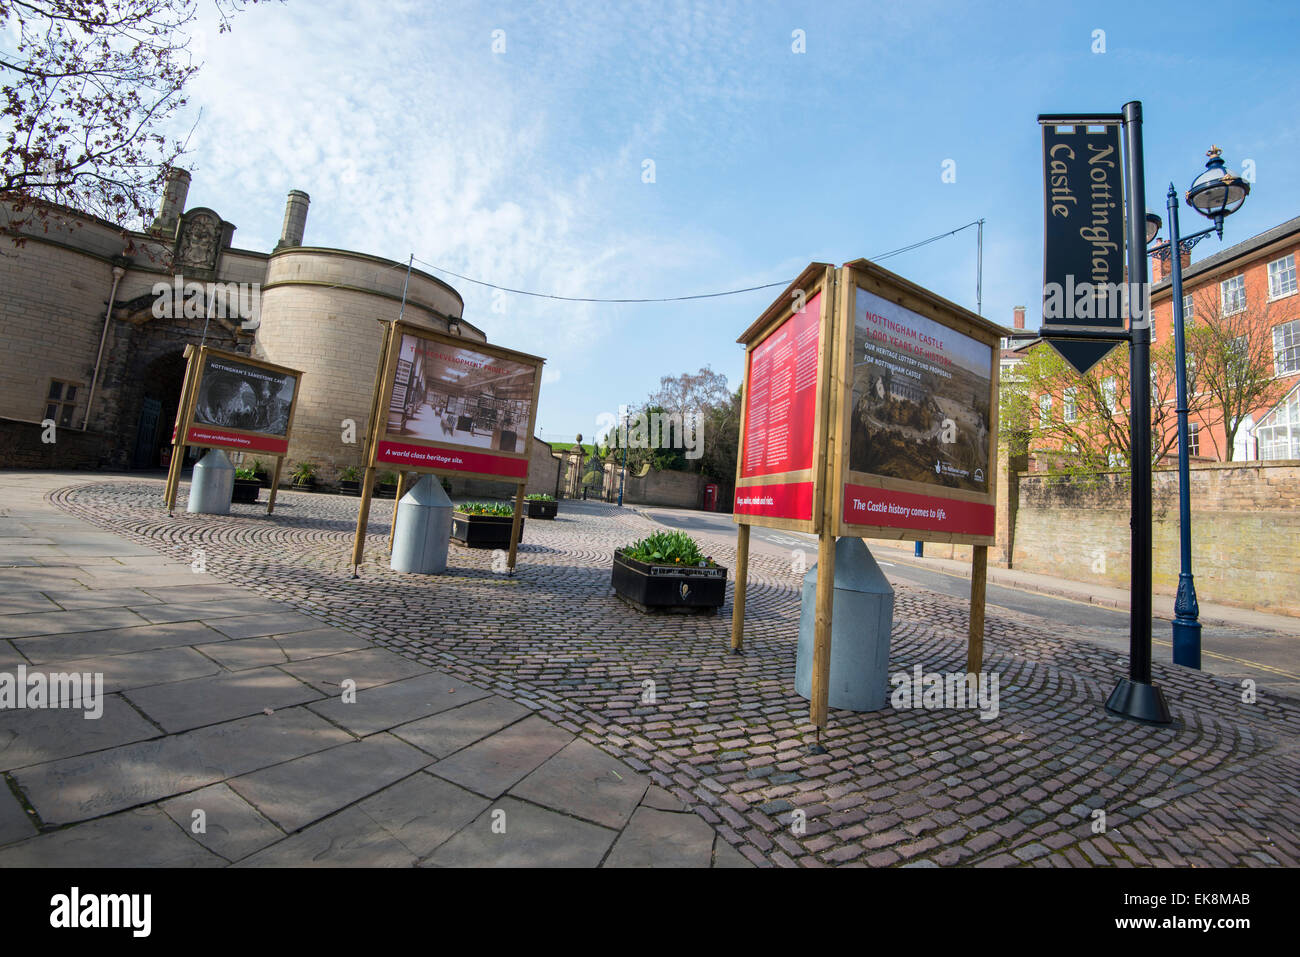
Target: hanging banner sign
x,y
1083,238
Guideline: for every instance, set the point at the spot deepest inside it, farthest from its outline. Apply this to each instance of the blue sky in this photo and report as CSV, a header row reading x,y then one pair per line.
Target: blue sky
x,y
525,167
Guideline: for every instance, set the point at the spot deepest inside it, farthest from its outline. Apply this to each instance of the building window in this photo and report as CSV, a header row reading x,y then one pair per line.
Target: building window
x,y
1188,311
1070,412
1108,394
1193,438
1044,407
1286,347
1232,294
1281,277
61,402
1278,433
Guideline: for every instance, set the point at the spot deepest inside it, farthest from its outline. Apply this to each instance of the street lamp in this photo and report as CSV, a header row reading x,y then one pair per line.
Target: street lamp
x,y
1215,194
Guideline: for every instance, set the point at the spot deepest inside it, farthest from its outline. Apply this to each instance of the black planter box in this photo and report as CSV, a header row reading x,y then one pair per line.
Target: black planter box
x,y
263,479
671,588
347,487
542,509
307,486
483,531
385,491
246,491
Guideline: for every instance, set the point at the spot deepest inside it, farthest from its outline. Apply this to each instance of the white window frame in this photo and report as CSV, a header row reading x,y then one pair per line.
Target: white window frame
x,y
1110,394
1285,274
1070,405
1290,330
1194,438
1236,282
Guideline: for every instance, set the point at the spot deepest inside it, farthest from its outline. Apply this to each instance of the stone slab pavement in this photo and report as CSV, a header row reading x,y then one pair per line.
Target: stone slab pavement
x,y
1046,779
236,729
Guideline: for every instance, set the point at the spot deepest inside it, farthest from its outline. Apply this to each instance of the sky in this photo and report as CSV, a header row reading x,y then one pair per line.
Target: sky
x,y
508,142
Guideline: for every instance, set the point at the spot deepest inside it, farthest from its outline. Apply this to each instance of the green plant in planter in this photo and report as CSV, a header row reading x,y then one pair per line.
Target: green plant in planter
x,y
486,508
539,497
304,473
246,474
669,548
349,473
386,478
259,467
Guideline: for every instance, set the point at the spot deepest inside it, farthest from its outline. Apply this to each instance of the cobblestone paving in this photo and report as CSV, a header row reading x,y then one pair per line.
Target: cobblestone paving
x,y
727,735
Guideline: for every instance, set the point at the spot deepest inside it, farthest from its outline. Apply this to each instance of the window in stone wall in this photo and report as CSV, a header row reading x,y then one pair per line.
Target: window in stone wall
x,y
61,402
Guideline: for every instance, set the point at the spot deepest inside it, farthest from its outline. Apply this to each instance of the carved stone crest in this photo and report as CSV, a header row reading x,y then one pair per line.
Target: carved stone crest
x,y
198,241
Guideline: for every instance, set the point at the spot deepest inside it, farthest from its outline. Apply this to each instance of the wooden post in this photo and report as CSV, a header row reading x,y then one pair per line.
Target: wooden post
x,y
514,527
275,483
363,518
174,476
979,568
738,593
401,490
821,664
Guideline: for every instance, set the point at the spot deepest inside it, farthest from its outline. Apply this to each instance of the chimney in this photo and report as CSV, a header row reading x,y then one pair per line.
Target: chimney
x,y
1160,264
1019,313
175,190
295,219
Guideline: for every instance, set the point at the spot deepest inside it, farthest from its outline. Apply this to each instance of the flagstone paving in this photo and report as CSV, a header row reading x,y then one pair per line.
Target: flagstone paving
x,y
230,732
706,751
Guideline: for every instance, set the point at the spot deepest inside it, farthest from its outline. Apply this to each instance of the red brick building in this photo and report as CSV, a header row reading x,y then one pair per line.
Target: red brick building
x,y
1256,279
1253,286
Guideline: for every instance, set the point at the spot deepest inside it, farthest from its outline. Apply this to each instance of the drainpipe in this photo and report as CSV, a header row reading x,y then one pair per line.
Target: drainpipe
x,y
118,273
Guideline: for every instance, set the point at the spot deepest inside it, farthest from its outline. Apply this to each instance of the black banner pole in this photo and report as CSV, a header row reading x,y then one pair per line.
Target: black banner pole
x,y
1136,697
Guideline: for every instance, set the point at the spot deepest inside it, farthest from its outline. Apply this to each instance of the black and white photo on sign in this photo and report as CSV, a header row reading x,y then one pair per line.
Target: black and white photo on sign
x,y
234,395
453,394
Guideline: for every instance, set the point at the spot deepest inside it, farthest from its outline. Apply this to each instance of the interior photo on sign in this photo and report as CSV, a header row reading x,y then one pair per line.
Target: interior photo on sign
x,y
452,394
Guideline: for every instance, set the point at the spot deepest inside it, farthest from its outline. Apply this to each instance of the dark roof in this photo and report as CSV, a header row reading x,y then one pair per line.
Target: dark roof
x,y
1239,251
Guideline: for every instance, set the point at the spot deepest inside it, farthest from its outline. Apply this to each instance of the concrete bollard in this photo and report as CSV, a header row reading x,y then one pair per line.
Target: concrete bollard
x,y
423,530
212,484
860,628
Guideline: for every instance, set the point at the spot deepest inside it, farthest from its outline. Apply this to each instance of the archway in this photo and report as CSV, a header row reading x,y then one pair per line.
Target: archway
x,y
161,397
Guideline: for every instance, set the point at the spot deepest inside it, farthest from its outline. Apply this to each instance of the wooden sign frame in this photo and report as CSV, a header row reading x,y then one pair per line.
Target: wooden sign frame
x,y
831,475
374,455
196,360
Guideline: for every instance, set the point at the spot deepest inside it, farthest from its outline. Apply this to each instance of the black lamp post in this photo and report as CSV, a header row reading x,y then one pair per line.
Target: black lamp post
x,y
1215,194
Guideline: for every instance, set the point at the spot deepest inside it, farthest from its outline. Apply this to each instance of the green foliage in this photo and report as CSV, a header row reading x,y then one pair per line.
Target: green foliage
x,y
259,466
349,473
668,548
386,478
486,508
246,474
303,473
540,497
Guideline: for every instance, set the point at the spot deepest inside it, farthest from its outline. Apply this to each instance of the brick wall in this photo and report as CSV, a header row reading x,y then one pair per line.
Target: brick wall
x,y
1245,531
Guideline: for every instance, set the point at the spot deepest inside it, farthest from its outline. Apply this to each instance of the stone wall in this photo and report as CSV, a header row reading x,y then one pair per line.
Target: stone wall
x,y
321,313
21,447
667,488
1245,531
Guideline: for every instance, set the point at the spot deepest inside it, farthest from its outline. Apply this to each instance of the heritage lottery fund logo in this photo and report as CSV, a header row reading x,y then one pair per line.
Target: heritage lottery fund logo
x,y
76,910
21,689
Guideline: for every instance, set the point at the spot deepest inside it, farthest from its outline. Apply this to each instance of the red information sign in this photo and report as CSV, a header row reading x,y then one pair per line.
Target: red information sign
x,y
781,405
457,460
886,508
783,500
204,437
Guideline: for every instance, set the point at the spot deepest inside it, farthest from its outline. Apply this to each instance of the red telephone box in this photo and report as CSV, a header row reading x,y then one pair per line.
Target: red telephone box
x,y
711,496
